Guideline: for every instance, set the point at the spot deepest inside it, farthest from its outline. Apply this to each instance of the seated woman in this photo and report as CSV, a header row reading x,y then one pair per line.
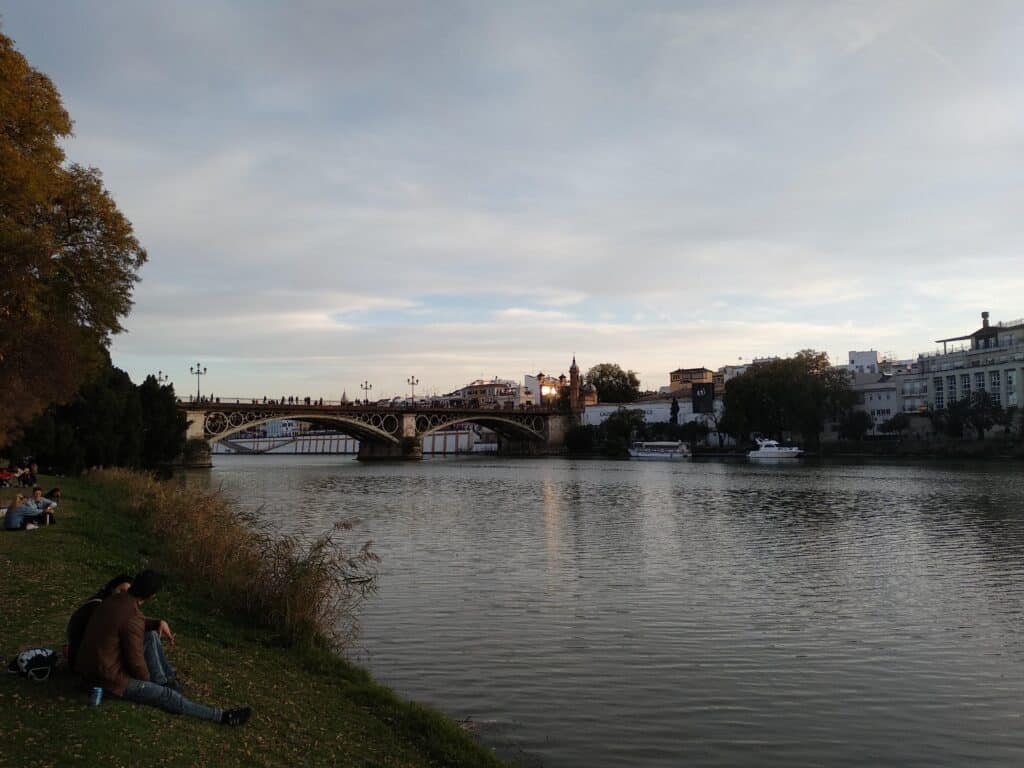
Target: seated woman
x,y
20,514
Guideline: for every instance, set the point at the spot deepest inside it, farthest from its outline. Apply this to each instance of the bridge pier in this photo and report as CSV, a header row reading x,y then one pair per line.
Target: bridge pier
x,y
408,449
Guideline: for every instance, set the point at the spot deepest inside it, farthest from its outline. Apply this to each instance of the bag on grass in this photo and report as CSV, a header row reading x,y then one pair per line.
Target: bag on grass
x,y
35,663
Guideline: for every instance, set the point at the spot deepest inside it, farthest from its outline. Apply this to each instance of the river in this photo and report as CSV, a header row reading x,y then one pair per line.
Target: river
x,y
599,613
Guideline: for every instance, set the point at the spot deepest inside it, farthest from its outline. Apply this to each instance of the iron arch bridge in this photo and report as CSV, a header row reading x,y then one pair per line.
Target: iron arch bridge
x,y
385,432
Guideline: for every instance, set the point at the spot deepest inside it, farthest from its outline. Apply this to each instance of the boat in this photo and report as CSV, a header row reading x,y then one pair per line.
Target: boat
x,y
770,449
664,451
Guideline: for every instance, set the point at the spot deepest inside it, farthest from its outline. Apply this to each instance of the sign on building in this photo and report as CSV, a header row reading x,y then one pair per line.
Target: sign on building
x,y
703,398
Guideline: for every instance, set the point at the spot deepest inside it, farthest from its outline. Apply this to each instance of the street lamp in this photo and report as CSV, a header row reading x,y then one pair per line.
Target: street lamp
x,y
366,387
161,377
412,381
197,371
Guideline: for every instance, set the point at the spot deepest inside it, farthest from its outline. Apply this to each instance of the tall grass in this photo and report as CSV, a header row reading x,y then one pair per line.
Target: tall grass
x,y
307,593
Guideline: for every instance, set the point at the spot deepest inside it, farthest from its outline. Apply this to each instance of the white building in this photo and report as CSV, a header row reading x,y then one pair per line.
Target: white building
x,y
659,411
864,362
990,359
877,395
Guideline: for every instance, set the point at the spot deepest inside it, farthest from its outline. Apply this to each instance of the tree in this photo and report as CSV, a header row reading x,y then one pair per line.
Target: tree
x,y
795,394
68,257
982,412
620,429
163,425
613,384
673,413
693,432
899,423
855,425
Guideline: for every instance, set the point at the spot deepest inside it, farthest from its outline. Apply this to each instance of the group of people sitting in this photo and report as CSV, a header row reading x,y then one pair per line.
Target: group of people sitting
x,y
23,475
112,645
25,513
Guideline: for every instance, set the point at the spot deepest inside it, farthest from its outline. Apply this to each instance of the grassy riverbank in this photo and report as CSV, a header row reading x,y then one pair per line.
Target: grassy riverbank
x,y
311,707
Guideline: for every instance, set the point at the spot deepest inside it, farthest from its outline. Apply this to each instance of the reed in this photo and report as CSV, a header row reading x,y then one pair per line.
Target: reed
x,y
308,593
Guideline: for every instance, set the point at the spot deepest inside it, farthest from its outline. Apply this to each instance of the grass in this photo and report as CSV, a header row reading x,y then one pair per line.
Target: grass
x,y
311,707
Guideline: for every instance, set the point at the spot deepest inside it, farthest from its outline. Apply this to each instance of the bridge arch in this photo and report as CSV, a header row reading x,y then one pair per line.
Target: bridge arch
x,y
387,428
510,426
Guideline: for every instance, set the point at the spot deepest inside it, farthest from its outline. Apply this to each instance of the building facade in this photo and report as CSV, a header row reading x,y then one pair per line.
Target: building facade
x,y
991,359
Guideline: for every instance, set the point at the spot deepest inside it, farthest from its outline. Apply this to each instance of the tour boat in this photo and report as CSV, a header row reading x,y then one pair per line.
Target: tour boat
x,y
665,451
770,449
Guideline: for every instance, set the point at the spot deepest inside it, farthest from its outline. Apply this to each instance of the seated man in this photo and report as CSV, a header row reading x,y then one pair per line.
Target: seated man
x,y
112,655
41,503
21,514
160,669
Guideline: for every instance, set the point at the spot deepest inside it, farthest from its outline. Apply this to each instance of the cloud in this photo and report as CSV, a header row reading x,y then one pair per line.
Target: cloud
x,y
330,193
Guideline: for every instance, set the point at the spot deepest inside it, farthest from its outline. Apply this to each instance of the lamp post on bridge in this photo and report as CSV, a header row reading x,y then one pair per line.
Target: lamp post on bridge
x,y
412,381
197,371
366,387
161,377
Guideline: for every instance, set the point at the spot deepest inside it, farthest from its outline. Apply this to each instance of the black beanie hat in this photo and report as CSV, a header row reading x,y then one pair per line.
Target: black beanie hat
x,y
146,584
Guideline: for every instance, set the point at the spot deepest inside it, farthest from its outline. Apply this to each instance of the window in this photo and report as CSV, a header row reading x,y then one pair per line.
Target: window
x,y
994,387
965,385
951,389
979,381
940,401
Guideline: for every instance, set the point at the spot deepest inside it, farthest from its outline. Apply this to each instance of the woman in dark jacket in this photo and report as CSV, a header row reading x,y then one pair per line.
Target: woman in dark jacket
x,y
80,618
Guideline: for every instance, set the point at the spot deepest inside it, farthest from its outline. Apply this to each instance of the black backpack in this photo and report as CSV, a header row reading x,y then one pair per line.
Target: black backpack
x,y
35,663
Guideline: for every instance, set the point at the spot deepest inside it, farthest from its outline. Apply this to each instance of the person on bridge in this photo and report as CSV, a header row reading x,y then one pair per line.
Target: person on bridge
x,y
113,656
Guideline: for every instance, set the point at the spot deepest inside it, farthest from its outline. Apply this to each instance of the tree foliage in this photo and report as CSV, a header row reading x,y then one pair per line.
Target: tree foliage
x,y
109,422
613,384
855,424
796,394
899,423
68,257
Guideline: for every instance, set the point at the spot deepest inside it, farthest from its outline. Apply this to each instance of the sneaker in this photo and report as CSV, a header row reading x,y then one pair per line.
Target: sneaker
x,y
236,717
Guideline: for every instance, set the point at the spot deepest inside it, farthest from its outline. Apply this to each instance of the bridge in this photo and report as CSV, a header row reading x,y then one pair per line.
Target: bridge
x,y
385,432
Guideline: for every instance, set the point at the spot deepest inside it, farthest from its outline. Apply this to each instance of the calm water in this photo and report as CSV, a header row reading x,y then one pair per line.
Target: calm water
x,y
700,614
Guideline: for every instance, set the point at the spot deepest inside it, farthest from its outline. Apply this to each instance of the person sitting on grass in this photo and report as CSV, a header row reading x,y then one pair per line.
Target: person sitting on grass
x,y
112,655
43,506
80,618
160,669
21,515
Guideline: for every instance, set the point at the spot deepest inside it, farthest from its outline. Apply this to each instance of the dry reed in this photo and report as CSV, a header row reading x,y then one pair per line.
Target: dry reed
x,y
307,593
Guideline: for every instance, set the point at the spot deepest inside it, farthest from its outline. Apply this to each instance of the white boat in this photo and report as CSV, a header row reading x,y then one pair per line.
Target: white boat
x,y
770,449
664,451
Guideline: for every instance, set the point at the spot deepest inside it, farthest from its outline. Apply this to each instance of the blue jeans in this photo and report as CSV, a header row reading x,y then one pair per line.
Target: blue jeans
x,y
160,670
168,700
156,694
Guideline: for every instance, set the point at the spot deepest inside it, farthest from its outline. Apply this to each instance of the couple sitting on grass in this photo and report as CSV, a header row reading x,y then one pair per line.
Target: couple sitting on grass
x,y
29,513
112,645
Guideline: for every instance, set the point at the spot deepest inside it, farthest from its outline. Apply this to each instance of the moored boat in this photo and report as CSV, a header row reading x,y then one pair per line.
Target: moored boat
x,y
770,449
660,450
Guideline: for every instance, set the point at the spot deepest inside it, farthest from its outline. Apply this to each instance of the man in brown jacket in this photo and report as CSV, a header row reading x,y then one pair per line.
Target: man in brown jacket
x,y
112,655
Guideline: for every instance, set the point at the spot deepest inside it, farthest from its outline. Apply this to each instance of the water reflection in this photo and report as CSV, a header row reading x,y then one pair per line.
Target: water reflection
x,y
609,614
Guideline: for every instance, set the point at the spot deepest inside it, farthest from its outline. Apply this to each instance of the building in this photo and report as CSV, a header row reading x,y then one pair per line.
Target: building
x,y
658,409
496,393
878,395
991,359
864,362
547,390
681,380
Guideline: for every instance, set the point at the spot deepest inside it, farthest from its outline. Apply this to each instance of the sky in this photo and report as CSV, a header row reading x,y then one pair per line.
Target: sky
x,y
335,193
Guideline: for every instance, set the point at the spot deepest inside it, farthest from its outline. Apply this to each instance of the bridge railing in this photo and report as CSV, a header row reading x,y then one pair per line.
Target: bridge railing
x,y
318,404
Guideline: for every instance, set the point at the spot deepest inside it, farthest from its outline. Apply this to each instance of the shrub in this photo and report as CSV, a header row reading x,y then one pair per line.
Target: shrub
x,y
308,594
